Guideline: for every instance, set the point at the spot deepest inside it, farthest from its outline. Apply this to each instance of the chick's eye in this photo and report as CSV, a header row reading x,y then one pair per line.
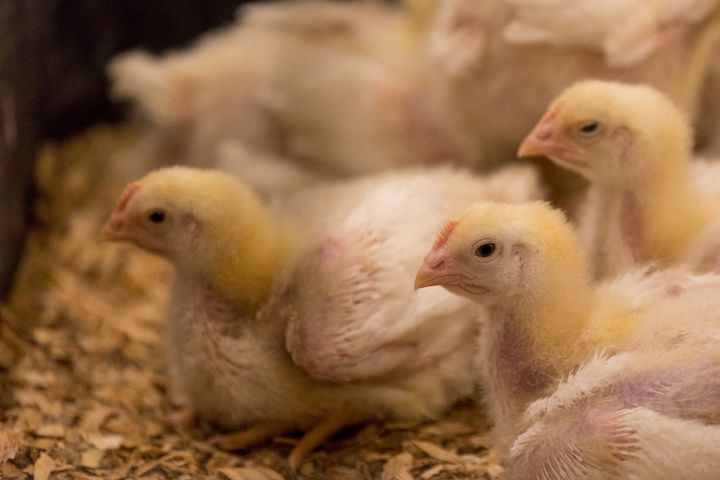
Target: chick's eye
x,y
157,216
589,128
485,250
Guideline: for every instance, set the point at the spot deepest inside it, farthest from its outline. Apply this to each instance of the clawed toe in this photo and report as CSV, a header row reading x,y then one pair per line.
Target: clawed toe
x,y
250,436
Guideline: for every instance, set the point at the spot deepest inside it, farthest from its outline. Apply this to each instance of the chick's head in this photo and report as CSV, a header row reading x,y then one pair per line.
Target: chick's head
x,y
185,215
494,253
612,133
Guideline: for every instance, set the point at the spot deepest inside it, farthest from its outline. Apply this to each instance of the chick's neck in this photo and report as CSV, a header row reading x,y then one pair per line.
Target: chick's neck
x,y
674,211
537,335
246,260
655,216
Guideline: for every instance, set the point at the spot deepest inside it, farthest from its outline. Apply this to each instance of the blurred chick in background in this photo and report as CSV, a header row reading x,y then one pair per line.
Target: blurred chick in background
x,y
315,87
628,368
648,201
497,87
328,86
301,314
626,31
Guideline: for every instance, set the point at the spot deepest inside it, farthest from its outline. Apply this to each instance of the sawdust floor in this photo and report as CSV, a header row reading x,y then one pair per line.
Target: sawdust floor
x,y
83,382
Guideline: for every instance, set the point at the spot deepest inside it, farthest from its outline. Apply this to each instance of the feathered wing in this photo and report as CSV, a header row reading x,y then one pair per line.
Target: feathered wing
x,y
601,442
353,311
634,415
663,310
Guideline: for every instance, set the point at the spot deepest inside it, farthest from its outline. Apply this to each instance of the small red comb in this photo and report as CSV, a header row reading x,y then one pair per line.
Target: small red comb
x,y
445,233
126,195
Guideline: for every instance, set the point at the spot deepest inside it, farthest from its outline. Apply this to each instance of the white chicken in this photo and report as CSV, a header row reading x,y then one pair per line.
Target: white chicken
x,y
331,89
302,315
497,89
626,31
358,87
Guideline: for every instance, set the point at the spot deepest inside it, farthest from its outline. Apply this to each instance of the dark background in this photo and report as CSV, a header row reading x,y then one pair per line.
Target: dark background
x,y
52,80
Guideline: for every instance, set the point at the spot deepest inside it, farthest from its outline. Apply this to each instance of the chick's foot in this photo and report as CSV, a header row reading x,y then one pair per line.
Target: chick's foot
x,y
251,436
327,427
183,418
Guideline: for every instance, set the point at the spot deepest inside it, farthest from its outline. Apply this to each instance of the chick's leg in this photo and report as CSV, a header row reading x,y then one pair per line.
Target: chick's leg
x,y
183,418
330,425
251,436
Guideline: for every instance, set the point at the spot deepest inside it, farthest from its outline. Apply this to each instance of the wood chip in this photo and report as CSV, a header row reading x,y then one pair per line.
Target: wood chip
x,y
10,471
8,446
480,441
432,472
250,474
104,442
50,430
91,458
43,467
444,429
94,419
437,452
44,443
398,467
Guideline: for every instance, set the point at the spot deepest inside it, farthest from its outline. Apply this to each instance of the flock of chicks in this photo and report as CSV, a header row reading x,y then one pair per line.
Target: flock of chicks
x,y
597,352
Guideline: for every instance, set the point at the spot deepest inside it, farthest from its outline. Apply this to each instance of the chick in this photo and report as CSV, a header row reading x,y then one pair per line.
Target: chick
x,y
635,147
485,79
627,32
193,101
297,315
277,83
524,264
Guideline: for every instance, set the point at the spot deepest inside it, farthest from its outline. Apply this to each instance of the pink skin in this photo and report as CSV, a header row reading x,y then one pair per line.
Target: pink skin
x,y
122,227
513,374
439,269
116,222
592,435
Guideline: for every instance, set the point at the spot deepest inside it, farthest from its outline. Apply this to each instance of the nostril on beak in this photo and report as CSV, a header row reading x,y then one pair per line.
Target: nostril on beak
x,y
544,131
117,223
438,262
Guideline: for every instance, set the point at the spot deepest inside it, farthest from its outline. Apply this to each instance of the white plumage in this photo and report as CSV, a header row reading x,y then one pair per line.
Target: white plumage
x,y
626,32
303,315
354,314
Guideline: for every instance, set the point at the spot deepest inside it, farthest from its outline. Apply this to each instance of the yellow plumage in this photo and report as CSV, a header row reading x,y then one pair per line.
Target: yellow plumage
x,y
640,164
547,317
244,270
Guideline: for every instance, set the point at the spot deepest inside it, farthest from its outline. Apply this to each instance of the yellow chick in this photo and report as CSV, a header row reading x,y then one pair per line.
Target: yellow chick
x,y
298,315
524,264
635,147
